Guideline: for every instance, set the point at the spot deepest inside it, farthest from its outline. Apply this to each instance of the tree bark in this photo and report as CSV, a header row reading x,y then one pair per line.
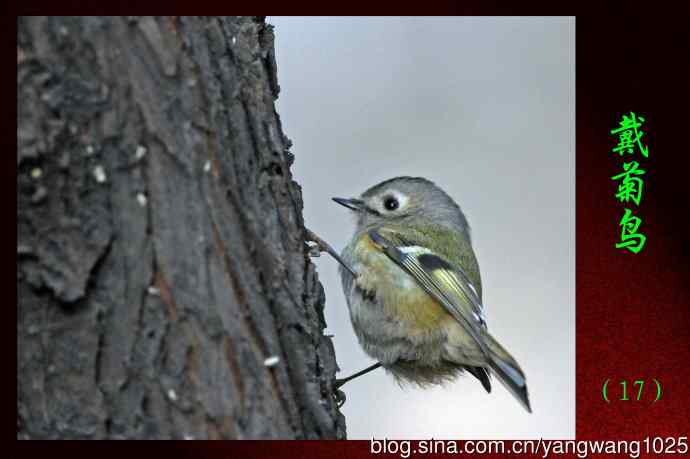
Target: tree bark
x,y
164,288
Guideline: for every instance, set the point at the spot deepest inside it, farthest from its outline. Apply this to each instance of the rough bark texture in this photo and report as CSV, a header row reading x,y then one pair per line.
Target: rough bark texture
x,y
164,290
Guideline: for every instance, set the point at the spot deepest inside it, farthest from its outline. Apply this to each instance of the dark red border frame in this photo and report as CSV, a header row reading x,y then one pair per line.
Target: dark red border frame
x,y
633,311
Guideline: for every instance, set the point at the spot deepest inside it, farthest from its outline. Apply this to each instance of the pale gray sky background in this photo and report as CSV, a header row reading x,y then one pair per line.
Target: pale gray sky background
x,y
485,107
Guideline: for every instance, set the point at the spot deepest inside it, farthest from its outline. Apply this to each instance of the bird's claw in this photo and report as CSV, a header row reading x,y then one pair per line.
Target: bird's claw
x,y
340,397
315,250
322,246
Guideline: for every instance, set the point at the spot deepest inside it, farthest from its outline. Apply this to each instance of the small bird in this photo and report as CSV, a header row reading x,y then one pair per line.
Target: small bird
x,y
414,292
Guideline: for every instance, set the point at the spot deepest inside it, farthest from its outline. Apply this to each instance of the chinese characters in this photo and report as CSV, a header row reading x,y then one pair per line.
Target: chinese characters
x,y
630,181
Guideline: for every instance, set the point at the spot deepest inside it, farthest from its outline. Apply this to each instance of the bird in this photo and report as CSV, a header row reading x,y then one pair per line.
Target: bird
x,y
413,289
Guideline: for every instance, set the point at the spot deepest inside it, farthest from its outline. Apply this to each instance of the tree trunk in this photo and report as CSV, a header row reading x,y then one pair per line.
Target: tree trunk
x,y
164,289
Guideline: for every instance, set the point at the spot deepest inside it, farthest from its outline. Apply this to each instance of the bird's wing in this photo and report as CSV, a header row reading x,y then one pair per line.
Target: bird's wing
x,y
446,283
449,285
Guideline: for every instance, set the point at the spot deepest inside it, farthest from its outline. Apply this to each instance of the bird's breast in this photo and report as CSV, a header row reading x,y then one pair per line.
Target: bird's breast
x,y
397,294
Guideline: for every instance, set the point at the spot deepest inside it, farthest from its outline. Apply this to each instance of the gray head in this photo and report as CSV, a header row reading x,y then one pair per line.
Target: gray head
x,y
406,201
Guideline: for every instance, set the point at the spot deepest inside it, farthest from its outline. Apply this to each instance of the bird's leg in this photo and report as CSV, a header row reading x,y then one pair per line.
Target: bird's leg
x,y
340,382
322,246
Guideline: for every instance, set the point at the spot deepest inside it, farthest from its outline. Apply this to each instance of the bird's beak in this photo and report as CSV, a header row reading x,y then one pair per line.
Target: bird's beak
x,y
354,204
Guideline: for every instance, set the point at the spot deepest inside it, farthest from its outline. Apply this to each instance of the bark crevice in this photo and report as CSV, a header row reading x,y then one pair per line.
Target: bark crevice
x,y
161,261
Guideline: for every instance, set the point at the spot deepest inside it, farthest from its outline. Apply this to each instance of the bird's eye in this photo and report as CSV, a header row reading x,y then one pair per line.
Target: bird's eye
x,y
390,203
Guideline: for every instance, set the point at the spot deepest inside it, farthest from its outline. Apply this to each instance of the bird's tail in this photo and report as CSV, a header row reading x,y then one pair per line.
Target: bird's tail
x,y
507,370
